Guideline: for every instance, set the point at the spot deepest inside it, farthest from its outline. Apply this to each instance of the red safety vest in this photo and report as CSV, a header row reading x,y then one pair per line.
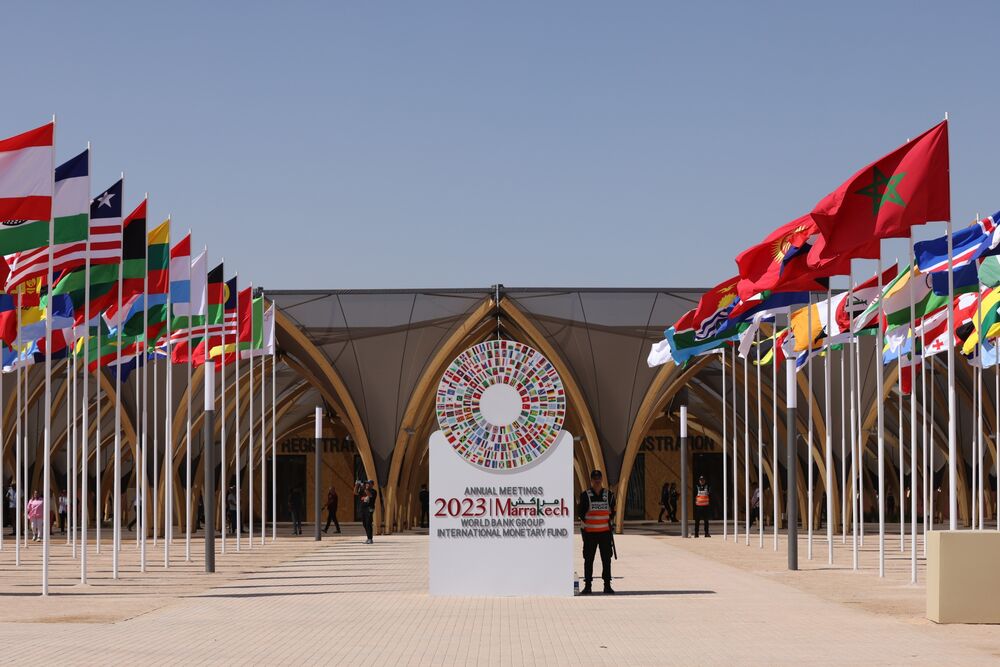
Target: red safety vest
x,y
598,516
701,496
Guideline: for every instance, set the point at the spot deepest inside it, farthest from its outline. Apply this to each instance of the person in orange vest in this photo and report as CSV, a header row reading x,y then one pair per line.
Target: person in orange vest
x,y
596,510
702,501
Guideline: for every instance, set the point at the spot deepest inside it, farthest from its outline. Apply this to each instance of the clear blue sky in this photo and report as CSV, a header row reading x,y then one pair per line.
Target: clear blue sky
x,y
432,144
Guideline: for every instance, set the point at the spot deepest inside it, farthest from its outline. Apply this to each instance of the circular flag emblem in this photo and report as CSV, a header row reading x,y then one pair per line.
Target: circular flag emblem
x,y
501,405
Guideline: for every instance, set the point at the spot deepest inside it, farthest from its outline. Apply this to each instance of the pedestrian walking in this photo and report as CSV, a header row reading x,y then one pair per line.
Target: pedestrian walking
x,y
331,510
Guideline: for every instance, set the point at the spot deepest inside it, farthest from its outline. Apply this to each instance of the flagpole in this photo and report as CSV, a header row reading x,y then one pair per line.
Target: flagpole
x,y
981,369
809,437
880,406
913,423
263,453
187,460
827,415
862,441
855,436
274,436
930,446
952,410
137,464
843,442
47,458
69,457
238,462
775,522
118,420
71,500
85,426
19,462
899,422
725,454
156,440
996,420
746,450
736,515
223,480
760,444
923,415
168,431
141,357
250,446
98,505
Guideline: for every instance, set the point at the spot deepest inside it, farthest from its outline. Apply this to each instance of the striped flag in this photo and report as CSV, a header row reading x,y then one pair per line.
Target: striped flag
x,y
969,244
70,205
180,277
26,189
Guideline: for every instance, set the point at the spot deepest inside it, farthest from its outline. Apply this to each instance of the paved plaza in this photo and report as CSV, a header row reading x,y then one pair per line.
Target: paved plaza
x,y
340,601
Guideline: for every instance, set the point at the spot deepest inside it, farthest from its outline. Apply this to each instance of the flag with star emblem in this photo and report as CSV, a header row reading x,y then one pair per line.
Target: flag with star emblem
x,y
907,187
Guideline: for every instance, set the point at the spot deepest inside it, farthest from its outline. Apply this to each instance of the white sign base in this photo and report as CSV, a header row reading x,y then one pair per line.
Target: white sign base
x,y
501,534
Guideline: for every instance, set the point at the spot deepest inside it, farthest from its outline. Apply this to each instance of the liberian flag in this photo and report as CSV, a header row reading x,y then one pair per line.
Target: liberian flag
x,y
70,205
26,186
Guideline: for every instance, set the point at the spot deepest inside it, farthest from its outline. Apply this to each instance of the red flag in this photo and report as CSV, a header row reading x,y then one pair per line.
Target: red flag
x,y
714,304
777,264
245,307
907,187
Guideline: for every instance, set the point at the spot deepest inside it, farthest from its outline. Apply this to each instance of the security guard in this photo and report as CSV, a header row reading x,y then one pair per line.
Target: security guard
x,y
596,510
702,500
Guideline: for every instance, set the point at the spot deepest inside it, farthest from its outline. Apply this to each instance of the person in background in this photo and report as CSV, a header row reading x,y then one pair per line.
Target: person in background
x,y
664,502
596,509
231,510
331,510
754,508
702,505
367,496
62,512
10,507
36,516
425,505
295,506
672,515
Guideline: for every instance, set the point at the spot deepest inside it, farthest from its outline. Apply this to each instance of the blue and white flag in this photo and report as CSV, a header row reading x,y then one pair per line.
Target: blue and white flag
x,y
977,240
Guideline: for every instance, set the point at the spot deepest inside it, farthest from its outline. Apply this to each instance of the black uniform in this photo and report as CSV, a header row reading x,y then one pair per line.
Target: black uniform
x,y
295,506
331,511
602,503
425,505
368,511
701,511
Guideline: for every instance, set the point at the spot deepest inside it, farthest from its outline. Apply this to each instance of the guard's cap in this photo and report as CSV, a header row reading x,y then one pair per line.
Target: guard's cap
x,y
596,474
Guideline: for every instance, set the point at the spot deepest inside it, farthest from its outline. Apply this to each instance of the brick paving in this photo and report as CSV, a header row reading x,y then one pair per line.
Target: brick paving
x,y
340,601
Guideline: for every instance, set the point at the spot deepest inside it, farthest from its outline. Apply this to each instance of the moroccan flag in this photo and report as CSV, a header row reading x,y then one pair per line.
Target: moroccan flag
x,y
26,188
70,204
907,187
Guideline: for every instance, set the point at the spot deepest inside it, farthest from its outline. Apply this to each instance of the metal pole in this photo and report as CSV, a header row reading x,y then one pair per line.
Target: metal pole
x,y
880,408
725,455
791,460
775,501
318,437
760,448
208,457
810,506
682,396
274,451
263,458
746,451
952,409
827,416
736,515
